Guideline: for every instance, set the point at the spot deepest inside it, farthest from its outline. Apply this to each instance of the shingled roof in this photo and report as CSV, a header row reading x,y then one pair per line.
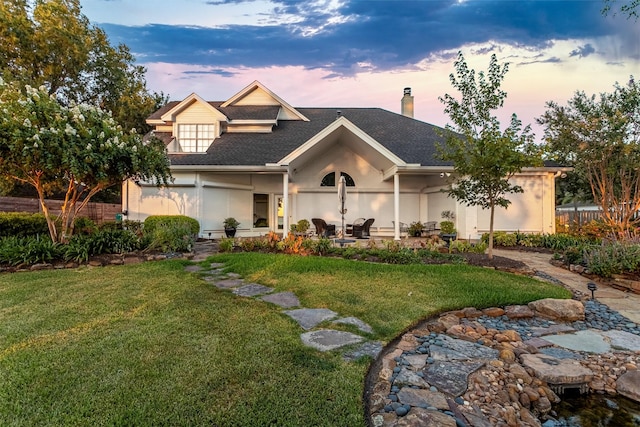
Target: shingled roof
x,y
411,140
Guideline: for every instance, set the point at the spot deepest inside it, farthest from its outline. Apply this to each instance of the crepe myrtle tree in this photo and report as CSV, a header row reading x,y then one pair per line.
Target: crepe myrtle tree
x,y
484,156
76,149
600,137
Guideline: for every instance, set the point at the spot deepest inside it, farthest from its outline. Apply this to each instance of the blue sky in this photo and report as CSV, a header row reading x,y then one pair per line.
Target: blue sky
x,y
362,53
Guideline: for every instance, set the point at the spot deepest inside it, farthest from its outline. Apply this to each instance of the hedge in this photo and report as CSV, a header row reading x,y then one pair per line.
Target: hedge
x,y
154,221
22,224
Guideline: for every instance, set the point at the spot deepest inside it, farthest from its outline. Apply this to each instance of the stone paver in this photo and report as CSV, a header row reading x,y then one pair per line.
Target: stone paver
x,y
252,290
283,299
362,326
192,268
309,318
622,340
589,341
228,283
329,339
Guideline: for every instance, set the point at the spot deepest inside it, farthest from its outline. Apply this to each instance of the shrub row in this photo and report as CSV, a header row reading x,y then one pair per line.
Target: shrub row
x,y
392,253
558,241
21,224
174,234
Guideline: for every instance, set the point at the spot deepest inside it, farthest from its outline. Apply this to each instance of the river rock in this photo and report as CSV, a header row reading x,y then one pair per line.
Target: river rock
x,y
518,312
559,309
628,385
493,311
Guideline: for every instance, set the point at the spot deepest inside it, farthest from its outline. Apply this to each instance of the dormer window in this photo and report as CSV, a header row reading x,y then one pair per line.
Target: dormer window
x,y
195,138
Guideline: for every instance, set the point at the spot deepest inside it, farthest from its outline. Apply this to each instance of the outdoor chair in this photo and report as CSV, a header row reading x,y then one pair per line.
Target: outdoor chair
x,y
404,228
430,227
362,231
322,228
356,222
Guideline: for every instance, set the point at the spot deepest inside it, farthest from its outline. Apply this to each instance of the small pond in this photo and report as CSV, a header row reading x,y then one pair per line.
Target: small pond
x,y
595,410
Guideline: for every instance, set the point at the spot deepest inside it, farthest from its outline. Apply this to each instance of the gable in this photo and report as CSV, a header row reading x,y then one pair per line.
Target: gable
x,y
345,134
256,94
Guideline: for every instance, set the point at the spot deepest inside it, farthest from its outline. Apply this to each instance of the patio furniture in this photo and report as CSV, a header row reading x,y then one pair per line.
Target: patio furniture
x,y
362,231
430,227
358,222
322,228
404,228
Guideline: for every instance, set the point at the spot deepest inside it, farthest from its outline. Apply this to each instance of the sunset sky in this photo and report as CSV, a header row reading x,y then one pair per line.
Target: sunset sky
x,y
362,53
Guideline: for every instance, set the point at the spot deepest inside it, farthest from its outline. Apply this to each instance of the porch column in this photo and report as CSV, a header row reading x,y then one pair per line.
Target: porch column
x,y
285,203
396,207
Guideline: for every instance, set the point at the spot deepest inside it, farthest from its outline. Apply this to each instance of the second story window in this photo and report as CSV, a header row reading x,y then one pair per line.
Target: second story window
x,y
195,138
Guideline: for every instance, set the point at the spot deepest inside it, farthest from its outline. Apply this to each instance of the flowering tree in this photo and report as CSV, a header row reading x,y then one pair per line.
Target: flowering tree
x,y
77,149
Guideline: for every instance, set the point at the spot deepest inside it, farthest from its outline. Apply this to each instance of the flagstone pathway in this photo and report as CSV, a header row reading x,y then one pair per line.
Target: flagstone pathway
x,y
323,338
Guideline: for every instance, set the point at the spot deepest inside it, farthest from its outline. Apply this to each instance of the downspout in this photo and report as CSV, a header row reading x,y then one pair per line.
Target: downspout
x,y
126,200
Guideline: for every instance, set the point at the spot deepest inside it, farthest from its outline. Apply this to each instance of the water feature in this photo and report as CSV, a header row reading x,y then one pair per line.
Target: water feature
x,y
595,410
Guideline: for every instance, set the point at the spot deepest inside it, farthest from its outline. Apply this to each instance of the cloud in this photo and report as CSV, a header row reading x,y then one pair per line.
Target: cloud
x,y
341,36
583,51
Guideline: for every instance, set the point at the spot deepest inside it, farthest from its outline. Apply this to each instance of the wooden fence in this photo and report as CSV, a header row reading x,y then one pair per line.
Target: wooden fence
x,y
98,212
576,217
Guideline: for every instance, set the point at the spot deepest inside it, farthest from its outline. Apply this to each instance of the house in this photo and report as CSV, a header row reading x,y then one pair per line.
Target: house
x,y
258,159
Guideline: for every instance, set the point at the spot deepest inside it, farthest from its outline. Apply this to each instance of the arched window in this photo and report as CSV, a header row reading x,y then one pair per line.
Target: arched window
x,y
348,179
329,180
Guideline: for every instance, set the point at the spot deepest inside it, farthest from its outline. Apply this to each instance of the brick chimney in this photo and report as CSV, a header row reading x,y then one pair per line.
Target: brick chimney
x,y
407,103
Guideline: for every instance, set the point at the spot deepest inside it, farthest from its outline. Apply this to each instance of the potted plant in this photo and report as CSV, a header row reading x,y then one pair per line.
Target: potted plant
x,y
415,229
301,227
230,226
447,227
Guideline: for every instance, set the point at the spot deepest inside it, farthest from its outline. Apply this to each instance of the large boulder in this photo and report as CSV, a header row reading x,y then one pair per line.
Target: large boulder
x,y
628,385
562,373
565,310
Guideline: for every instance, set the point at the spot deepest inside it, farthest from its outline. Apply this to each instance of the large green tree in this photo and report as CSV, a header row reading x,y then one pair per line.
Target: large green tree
x,y
51,43
600,138
77,149
484,156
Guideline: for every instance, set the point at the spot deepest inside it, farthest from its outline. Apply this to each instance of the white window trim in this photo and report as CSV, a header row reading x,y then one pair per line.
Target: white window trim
x,y
199,142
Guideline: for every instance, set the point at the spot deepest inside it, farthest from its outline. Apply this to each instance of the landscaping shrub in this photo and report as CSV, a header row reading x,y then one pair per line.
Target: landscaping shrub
x,y
77,249
321,246
615,258
84,225
155,221
28,250
176,236
113,241
463,246
22,224
226,244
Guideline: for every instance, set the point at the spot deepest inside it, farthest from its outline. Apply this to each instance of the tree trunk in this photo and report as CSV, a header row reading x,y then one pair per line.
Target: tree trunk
x,y
490,250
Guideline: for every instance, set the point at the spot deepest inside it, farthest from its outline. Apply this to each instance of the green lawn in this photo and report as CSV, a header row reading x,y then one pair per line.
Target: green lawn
x,y
152,345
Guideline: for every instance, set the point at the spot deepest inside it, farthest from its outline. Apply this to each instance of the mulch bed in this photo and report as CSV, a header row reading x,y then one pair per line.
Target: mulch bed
x,y
498,262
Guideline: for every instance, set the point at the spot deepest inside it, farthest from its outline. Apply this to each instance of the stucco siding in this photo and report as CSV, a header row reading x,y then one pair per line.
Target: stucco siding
x,y
529,212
